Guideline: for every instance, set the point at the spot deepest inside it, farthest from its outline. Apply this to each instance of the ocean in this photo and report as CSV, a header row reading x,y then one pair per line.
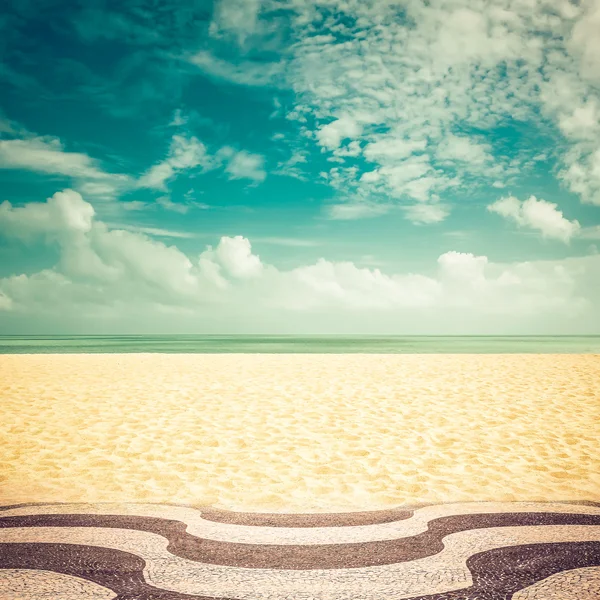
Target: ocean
x,y
278,344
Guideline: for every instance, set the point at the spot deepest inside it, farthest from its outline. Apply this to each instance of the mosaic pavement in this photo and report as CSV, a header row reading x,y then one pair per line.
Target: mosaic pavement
x,y
468,551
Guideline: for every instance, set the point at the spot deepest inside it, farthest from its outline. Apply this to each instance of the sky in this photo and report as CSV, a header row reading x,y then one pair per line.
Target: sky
x,y
300,166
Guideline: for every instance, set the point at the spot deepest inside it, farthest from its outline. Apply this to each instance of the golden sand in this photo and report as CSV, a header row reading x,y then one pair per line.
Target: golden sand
x,y
299,432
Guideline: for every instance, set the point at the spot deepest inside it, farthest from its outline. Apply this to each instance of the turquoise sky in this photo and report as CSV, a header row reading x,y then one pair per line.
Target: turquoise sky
x,y
300,167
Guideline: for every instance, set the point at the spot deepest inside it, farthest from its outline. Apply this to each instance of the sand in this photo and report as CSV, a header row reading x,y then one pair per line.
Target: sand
x,y
299,432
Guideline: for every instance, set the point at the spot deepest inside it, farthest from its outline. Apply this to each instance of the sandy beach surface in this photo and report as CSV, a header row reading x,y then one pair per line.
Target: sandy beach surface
x,y
299,432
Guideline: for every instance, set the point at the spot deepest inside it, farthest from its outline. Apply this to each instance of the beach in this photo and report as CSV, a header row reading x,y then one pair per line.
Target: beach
x,y
299,433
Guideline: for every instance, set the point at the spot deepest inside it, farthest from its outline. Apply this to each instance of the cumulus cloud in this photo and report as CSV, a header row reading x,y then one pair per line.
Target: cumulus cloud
x,y
540,215
107,271
65,212
234,256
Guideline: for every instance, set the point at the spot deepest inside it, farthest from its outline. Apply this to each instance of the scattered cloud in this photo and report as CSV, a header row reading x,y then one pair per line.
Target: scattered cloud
x,y
420,93
186,153
540,215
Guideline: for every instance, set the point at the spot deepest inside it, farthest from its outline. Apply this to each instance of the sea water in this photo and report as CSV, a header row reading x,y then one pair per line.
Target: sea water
x,y
314,344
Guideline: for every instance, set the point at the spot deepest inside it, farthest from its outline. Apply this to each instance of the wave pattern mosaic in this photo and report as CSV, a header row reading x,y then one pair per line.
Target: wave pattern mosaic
x,y
467,551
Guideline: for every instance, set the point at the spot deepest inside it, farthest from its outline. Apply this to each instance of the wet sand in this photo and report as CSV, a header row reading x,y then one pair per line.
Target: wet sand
x,y
299,432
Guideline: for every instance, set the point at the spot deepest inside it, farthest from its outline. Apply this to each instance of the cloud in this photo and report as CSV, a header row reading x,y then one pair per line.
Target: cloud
x,y
426,213
292,242
393,149
417,102
187,153
331,135
153,231
64,213
457,148
590,233
184,154
47,155
240,164
355,210
234,256
537,214
236,17
582,174
584,40
168,204
243,72
104,272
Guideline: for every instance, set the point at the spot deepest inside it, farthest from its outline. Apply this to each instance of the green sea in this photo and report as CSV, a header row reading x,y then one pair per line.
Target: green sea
x,y
316,344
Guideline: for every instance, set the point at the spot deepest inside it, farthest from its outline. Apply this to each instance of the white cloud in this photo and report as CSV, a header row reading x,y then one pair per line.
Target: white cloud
x,y
356,210
236,17
426,213
331,135
585,42
393,149
240,164
583,122
289,241
419,90
234,256
241,73
168,204
582,174
590,233
537,214
105,273
184,153
64,213
5,302
406,88
154,231
459,148
47,155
